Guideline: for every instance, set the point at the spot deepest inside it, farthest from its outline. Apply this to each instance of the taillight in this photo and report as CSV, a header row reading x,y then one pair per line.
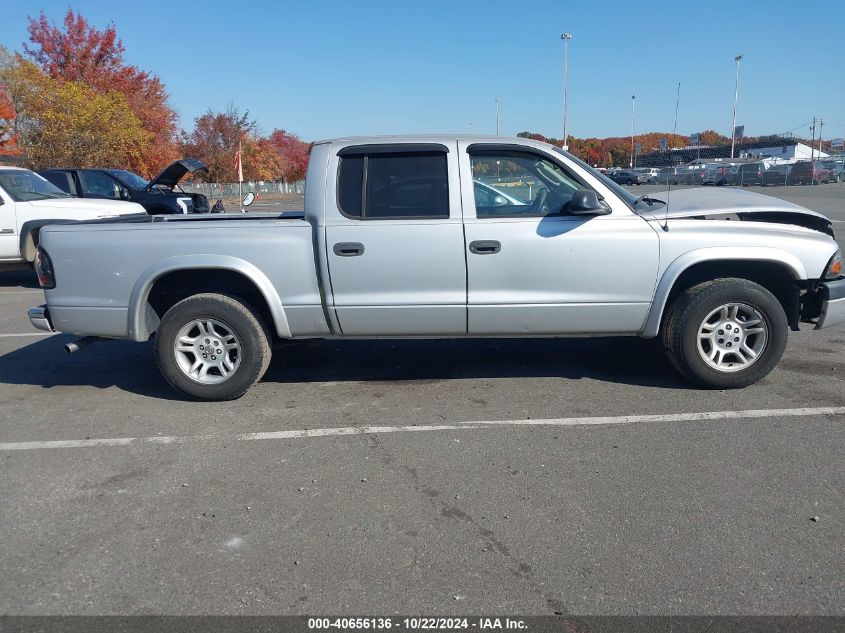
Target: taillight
x,y
44,269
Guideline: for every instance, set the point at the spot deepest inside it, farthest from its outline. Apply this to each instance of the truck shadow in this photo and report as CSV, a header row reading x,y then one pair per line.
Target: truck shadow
x,y
131,367
19,279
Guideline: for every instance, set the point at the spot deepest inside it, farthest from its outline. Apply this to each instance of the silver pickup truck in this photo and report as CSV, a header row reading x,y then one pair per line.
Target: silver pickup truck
x,y
445,236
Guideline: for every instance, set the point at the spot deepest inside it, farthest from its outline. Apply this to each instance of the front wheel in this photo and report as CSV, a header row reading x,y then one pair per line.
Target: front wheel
x,y
726,333
212,347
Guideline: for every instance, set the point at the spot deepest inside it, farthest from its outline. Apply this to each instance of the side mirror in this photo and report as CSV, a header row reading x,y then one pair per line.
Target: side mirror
x,y
500,201
124,193
585,202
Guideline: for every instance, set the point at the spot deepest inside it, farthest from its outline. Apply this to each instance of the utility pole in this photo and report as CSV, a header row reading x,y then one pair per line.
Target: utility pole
x,y
565,37
812,157
737,59
821,126
677,103
497,116
633,102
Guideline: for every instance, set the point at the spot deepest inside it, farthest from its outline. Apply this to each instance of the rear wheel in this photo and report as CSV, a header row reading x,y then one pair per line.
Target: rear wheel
x,y
725,333
212,347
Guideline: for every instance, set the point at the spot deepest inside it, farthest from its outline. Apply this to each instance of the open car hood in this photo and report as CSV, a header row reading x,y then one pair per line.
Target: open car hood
x,y
174,172
734,204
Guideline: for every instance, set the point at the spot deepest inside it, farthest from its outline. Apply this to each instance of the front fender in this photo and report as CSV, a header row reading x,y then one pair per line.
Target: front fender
x,y
673,271
141,289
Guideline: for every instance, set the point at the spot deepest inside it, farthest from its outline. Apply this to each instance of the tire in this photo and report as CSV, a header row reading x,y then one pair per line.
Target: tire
x,y
629,182
225,321
690,314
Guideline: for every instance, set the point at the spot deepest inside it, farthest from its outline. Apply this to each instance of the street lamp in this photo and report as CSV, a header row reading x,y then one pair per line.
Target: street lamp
x,y
633,108
565,37
497,116
737,59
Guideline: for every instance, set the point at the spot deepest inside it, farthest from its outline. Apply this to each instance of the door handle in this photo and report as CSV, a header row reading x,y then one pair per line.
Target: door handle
x,y
348,249
485,247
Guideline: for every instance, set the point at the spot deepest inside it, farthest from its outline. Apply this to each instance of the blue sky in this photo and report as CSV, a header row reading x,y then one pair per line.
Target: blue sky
x,y
325,68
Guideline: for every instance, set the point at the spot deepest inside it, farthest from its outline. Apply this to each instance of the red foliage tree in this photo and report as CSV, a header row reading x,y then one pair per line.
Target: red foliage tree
x,y
80,52
8,138
294,152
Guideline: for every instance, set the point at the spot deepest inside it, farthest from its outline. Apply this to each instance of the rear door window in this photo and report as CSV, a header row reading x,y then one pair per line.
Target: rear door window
x,y
62,179
401,185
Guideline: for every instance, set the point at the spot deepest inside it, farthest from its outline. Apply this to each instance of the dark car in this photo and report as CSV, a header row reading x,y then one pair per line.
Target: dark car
x,y
627,177
161,195
749,174
777,175
807,172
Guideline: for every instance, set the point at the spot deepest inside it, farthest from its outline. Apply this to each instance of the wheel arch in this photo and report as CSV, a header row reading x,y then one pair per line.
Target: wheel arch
x,y
774,269
190,274
29,235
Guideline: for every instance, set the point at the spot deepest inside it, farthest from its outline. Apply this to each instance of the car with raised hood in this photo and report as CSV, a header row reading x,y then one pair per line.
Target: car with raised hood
x,y
28,202
397,240
161,195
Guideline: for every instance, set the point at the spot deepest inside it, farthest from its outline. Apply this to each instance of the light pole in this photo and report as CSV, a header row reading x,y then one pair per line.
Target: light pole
x,y
565,37
633,102
497,116
737,59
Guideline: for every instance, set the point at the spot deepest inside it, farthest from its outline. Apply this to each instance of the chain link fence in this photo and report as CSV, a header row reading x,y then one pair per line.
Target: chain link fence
x,y
269,196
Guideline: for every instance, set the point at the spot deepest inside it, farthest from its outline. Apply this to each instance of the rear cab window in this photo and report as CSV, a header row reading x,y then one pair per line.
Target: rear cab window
x,y
393,182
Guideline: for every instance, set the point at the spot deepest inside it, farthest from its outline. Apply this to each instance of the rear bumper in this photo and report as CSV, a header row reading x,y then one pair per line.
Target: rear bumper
x,y
832,304
40,318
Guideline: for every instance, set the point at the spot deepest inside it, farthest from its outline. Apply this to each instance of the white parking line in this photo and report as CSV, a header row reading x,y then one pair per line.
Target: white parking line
x,y
28,334
463,426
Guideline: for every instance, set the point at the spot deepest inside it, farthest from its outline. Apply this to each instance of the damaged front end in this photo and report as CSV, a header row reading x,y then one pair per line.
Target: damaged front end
x,y
823,301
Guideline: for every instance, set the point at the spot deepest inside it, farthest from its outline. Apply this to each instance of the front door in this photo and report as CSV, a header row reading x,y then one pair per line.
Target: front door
x,y
532,269
394,240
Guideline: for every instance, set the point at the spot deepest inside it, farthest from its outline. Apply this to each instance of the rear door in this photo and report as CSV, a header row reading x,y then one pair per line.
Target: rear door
x,y
96,184
394,240
534,270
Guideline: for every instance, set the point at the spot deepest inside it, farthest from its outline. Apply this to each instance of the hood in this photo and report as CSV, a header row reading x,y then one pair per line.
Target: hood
x,y
734,204
88,208
174,172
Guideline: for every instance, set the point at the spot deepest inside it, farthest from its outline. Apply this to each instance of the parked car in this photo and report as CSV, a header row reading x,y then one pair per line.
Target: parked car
x,y
648,172
28,202
716,174
682,175
777,175
749,174
835,169
161,195
808,172
491,196
628,177
393,242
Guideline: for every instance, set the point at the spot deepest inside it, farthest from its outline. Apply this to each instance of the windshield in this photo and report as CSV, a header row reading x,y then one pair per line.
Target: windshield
x,y
630,199
131,180
24,185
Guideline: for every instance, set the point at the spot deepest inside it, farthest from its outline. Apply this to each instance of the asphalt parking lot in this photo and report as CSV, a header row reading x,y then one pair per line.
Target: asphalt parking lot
x,y
428,477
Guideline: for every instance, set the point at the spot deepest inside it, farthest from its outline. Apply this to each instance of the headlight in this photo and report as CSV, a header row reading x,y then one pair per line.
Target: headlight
x,y
834,266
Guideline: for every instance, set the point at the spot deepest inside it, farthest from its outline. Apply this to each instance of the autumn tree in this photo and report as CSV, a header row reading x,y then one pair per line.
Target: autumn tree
x,y
78,52
215,139
294,152
69,124
8,137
